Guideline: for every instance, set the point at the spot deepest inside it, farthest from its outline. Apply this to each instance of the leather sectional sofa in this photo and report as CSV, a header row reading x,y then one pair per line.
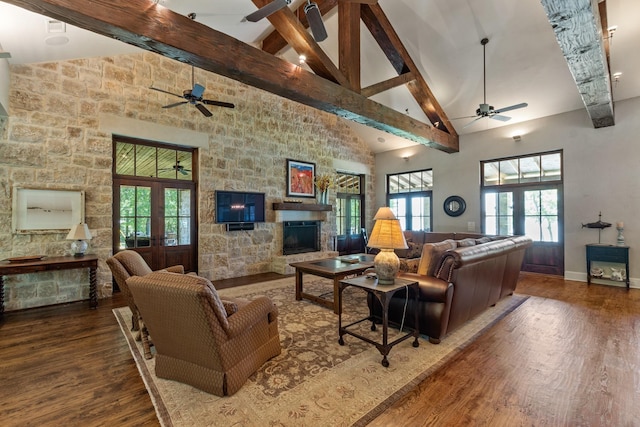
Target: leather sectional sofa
x,y
458,280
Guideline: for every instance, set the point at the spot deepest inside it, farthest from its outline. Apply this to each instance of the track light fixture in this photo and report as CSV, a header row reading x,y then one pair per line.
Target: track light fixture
x,y
314,17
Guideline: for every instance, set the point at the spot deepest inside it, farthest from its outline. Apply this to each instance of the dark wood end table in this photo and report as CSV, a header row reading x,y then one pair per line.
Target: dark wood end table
x,y
383,293
52,264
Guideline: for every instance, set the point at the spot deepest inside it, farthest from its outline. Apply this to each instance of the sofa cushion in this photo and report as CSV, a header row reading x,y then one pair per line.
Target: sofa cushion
x,y
466,242
431,254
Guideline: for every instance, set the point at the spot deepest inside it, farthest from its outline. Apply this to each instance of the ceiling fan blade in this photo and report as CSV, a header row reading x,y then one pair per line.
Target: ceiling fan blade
x,y
513,107
175,104
5,55
218,103
204,110
164,91
314,17
197,91
267,10
472,122
501,118
464,117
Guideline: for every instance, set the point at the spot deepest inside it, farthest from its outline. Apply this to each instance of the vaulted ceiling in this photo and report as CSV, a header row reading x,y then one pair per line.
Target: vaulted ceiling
x,y
403,68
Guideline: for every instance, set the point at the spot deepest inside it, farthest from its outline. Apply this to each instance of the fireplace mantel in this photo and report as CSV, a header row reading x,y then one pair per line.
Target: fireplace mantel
x,y
287,206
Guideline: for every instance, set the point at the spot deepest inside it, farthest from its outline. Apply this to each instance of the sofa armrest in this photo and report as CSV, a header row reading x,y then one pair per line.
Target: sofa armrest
x,y
431,288
175,269
256,311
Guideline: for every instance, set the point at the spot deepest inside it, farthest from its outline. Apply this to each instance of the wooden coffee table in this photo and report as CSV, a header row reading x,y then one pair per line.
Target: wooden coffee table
x,y
331,268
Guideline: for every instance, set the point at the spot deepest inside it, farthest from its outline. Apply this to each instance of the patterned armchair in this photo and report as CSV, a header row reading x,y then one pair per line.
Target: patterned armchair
x,y
201,341
123,265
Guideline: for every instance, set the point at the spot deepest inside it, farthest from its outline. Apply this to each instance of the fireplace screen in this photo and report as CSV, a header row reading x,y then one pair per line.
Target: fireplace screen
x,y
300,237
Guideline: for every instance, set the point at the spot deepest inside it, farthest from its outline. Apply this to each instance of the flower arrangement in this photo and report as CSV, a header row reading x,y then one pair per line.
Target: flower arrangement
x,y
324,182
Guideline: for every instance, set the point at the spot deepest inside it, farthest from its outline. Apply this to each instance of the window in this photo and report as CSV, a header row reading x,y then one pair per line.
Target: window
x,y
409,197
141,160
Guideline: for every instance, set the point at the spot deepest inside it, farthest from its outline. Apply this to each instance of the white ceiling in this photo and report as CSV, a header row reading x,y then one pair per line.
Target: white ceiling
x,y
524,62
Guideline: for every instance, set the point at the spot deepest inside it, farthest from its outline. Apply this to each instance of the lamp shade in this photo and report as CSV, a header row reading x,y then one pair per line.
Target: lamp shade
x,y
79,232
386,233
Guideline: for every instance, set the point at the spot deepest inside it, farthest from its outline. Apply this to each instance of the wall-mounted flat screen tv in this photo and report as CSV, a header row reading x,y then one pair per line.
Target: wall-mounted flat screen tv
x,y
239,206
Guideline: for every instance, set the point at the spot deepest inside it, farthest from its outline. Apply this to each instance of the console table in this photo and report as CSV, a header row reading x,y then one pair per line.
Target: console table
x,y
51,264
607,253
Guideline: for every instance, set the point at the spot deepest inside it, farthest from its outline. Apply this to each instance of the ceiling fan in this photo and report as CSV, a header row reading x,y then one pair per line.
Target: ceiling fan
x,y
178,168
4,54
194,97
486,110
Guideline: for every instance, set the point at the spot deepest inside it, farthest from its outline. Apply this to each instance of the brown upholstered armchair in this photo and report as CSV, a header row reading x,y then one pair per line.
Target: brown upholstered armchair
x,y
123,265
198,339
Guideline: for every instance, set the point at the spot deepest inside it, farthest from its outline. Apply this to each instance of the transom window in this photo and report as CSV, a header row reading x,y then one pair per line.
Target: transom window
x,y
409,182
141,160
543,167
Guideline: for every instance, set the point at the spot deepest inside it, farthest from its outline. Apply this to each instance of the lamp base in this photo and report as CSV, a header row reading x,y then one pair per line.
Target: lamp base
x,y
387,265
79,247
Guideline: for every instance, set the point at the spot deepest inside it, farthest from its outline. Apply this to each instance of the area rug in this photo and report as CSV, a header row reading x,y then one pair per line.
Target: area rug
x,y
314,381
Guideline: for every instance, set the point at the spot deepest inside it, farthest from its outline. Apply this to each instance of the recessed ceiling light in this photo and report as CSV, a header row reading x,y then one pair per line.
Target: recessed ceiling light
x,y
381,139
56,40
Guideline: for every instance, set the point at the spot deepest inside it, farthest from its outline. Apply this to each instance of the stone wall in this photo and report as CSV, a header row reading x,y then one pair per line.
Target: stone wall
x,y
53,140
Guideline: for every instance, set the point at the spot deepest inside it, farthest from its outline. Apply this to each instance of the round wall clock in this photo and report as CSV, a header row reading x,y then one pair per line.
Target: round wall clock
x,y
454,206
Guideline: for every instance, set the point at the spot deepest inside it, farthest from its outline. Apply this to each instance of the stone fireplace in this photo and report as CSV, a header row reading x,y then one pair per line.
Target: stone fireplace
x,y
300,237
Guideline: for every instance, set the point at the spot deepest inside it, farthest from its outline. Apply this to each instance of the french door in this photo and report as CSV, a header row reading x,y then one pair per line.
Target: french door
x,y
349,224
535,211
156,219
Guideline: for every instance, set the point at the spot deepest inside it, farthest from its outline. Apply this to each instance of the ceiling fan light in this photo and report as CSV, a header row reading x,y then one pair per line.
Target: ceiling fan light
x,y
314,17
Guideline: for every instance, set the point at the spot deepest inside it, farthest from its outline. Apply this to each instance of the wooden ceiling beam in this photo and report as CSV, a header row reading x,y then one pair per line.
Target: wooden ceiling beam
x,y
155,28
274,42
579,33
400,80
349,42
296,36
377,22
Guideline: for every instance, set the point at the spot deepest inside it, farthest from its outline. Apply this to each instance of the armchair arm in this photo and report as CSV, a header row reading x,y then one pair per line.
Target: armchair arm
x,y
257,310
175,269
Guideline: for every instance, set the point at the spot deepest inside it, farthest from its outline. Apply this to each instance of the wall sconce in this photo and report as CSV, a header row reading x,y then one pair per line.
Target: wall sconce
x,y
517,138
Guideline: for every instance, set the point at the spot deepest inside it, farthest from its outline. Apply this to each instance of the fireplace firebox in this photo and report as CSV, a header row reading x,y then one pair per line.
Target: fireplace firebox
x,y
300,237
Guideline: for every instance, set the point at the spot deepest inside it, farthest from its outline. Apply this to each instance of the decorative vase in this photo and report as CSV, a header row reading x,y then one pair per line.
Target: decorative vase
x,y
323,198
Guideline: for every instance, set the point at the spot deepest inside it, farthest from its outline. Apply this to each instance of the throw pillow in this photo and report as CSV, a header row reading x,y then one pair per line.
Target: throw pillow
x,y
431,254
466,242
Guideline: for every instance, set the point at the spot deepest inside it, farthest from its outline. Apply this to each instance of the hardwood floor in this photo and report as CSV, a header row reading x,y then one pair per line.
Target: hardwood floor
x,y
568,356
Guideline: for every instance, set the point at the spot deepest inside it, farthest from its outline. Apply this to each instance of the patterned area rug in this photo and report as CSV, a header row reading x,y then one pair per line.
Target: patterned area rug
x,y
315,381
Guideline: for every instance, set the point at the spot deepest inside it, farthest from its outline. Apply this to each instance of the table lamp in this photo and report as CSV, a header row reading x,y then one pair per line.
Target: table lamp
x,y
79,233
386,236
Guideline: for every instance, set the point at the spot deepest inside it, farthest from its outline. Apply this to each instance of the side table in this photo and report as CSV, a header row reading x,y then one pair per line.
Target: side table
x,y
383,293
607,253
52,264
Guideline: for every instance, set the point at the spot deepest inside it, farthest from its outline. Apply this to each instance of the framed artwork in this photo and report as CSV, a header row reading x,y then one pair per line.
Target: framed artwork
x,y
301,178
46,211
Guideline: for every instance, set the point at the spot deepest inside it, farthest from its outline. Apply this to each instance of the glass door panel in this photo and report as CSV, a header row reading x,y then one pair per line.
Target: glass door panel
x,y
177,216
135,216
498,208
541,215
